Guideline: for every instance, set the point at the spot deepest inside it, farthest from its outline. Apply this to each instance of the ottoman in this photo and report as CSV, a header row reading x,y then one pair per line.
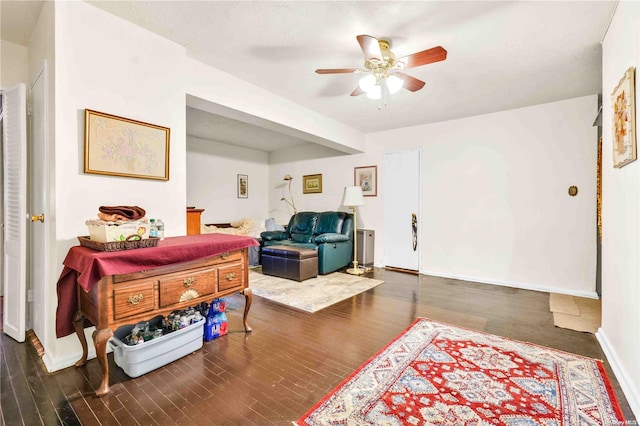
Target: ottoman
x,y
290,262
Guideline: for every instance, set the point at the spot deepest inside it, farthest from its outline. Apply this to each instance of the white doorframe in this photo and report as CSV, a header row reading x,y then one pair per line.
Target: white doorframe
x,y
37,193
1,209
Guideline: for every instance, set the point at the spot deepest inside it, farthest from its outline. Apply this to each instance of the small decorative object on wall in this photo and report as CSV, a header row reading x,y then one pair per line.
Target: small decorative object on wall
x,y
367,179
624,120
312,184
573,190
243,186
119,146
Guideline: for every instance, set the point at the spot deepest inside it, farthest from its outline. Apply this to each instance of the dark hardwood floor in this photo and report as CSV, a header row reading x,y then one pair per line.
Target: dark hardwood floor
x,y
291,359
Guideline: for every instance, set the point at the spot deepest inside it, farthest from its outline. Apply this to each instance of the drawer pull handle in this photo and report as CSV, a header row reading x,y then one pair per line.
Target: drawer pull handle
x,y
224,255
231,276
188,282
136,298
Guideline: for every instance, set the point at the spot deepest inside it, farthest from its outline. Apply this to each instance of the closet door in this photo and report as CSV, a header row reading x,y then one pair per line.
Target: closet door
x,y
14,147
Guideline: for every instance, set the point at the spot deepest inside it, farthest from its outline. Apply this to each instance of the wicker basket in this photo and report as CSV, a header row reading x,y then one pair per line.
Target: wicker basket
x,y
129,244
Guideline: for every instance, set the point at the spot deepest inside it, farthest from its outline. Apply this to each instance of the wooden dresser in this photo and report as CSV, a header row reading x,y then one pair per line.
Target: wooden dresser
x,y
193,221
128,298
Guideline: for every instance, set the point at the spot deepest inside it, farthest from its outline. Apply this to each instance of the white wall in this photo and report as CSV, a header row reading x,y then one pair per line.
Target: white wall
x,y
126,71
215,91
495,201
41,59
13,64
212,181
336,170
110,65
620,331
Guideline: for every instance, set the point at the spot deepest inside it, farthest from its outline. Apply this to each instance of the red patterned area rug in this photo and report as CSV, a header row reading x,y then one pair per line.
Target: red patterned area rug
x,y
438,374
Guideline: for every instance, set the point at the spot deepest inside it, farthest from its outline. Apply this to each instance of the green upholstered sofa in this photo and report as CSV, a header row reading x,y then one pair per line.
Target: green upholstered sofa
x,y
330,233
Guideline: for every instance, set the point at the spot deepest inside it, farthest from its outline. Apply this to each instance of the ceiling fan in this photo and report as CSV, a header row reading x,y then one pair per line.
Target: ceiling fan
x,y
383,69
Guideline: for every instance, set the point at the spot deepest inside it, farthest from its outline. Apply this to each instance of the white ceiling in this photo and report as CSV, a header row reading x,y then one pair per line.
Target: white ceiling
x,y
501,54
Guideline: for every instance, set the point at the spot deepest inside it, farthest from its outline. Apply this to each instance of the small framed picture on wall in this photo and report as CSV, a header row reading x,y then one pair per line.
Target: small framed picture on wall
x,y
624,120
312,184
243,186
367,179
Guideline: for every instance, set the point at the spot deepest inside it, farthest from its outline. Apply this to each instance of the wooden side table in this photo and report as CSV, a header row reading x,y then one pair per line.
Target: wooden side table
x,y
193,221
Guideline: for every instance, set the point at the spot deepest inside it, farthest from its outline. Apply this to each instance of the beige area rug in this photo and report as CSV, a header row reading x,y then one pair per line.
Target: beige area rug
x,y
310,295
575,313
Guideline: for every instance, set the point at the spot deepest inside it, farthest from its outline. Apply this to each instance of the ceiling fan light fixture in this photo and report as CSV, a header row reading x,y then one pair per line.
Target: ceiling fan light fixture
x,y
367,83
374,93
381,66
394,83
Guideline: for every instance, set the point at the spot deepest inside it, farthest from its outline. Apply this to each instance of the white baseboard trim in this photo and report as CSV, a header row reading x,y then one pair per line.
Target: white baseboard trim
x,y
71,351
58,363
577,293
630,392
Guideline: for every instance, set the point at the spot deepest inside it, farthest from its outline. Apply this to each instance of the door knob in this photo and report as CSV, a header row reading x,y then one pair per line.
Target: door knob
x,y
37,218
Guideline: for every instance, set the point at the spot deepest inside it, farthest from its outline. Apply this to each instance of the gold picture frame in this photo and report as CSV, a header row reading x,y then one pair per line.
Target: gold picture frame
x,y
624,120
119,146
312,184
366,178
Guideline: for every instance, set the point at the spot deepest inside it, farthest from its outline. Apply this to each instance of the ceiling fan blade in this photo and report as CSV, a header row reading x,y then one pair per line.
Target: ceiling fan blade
x,y
338,71
370,47
410,83
357,91
425,57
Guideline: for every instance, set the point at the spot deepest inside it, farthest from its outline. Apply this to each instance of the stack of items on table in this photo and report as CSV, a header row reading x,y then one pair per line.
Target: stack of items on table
x,y
119,223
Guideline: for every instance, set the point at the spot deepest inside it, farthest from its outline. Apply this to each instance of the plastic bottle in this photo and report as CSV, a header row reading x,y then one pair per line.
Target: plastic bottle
x,y
160,229
224,324
218,305
209,324
153,229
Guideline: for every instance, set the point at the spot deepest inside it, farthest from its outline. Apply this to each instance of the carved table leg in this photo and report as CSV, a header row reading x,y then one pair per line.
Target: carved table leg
x,y
248,298
78,325
100,339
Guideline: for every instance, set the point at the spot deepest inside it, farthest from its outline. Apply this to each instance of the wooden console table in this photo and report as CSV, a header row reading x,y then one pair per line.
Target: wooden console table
x,y
136,285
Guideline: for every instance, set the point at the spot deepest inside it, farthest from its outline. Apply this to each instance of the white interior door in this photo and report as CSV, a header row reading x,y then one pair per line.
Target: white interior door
x,y
402,209
14,210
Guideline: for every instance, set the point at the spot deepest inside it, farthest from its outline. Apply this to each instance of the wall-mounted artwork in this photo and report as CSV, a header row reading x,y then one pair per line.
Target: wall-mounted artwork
x,y
312,184
624,120
120,146
367,179
243,186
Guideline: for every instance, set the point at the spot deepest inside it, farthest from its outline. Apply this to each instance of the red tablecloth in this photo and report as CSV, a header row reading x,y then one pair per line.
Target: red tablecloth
x,y
86,266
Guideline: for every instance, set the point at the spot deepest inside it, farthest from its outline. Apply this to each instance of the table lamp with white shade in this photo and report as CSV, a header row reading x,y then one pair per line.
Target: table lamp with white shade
x,y
353,198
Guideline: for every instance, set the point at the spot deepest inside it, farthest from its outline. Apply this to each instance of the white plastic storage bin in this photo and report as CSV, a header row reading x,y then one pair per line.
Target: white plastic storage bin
x,y
104,232
140,359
